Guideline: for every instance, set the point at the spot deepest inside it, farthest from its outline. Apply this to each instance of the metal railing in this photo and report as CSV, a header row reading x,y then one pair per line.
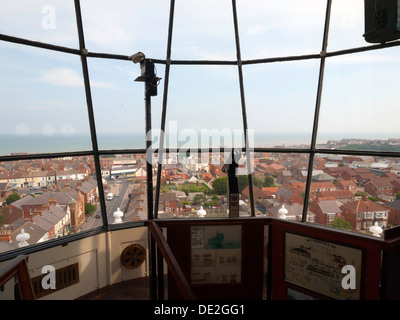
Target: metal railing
x,y
18,267
164,251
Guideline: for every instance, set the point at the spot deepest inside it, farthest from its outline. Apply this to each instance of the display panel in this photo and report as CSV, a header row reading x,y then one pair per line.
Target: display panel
x,y
321,266
216,254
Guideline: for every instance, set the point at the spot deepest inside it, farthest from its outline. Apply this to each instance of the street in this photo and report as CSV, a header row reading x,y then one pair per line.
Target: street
x,y
120,189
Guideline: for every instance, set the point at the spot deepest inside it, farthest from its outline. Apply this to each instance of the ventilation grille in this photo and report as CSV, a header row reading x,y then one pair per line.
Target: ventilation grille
x,y
65,277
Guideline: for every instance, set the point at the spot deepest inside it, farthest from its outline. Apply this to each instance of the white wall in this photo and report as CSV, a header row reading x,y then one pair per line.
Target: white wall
x,y
99,262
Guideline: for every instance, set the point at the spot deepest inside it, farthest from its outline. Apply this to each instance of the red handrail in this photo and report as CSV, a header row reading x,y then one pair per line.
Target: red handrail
x,y
172,264
18,267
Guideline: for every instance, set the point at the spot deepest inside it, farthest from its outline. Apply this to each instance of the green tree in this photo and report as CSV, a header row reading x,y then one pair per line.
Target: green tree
x,y
12,197
215,200
89,208
257,182
268,181
341,223
199,199
397,195
243,182
220,185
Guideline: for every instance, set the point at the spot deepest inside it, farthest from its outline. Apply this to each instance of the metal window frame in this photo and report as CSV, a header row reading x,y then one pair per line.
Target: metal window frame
x,y
96,153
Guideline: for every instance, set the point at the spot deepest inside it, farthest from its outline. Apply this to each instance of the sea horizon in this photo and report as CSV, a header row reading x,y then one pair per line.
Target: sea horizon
x,y
37,143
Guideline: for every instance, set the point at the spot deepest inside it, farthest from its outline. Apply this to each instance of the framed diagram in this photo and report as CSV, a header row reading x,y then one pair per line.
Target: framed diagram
x,y
317,265
216,254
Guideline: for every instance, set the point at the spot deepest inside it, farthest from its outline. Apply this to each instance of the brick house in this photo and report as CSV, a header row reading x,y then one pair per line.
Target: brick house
x,y
325,211
396,185
394,212
379,186
285,195
89,191
5,191
216,171
363,213
258,194
349,175
316,187
270,191
15,210
346,185
168,202
336,172
28,207
342,196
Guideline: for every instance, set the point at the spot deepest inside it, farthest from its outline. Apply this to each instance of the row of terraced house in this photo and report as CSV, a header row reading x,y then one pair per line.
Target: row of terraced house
x,y
53,194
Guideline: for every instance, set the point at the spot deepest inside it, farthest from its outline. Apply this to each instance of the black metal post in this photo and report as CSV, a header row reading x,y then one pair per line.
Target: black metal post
x,y
149,183
149,165
317,109
150,80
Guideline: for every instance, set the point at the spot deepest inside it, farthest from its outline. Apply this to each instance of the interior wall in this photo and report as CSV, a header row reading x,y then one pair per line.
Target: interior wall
x,y
98,257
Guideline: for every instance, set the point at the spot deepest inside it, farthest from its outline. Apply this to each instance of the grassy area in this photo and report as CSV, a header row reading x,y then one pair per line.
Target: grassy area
x,y
186,187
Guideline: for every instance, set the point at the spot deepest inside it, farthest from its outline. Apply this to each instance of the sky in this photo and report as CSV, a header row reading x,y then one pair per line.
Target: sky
x,y
42,91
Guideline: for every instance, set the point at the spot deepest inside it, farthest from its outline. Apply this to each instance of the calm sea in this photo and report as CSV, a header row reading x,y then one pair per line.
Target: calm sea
x,y
63,143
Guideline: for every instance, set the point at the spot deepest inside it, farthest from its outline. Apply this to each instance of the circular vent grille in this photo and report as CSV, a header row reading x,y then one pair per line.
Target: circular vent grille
x,y
133,256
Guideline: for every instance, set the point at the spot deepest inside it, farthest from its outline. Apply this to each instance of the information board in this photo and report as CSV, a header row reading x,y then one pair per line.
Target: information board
x,y
216,254
317,265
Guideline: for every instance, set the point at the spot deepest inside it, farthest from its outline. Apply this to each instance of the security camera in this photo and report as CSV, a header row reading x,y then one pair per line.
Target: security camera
x,y
137,57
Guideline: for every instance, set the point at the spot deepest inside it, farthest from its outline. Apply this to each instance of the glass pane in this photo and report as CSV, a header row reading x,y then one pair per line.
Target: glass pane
x,y
47,199
52,22
195,185
124,182
119,104
360,108
280,102
126,27
279,183
355,192
204,108
203,30
44,102
346,25
182,194
280,28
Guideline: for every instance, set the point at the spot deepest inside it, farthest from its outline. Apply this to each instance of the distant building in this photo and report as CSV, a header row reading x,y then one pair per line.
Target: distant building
x,y
346,185
325,211
29,207
379,186
394,212
343,196
363,213
258,194
5,190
